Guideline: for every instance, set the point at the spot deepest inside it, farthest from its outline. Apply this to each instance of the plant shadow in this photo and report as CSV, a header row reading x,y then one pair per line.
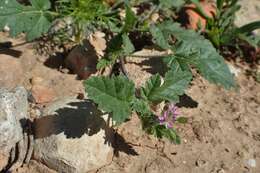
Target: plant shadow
x,y
6,48
55,61
78,119
80,59
152,65
187,102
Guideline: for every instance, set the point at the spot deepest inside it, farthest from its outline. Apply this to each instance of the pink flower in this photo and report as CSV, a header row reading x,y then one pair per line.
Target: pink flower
x,y
168,117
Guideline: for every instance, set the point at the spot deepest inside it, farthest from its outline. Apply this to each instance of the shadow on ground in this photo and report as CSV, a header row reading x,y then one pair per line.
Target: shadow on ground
x,y
6,48
77,119
187,102
152,65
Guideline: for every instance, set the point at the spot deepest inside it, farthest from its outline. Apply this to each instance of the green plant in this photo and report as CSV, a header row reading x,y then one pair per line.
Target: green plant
x,y
117,94
221,29
86,15
33,20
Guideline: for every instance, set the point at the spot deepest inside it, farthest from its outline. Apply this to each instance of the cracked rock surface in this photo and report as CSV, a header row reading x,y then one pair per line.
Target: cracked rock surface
x,y
13,112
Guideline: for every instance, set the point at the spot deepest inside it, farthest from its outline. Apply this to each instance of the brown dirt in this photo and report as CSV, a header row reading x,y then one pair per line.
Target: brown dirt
x,y
222,133
49,69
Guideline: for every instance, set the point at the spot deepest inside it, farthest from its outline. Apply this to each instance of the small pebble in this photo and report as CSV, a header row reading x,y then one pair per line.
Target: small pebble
x,y
6,28
37,112
36,80
251,163
200,162
221,171
80,96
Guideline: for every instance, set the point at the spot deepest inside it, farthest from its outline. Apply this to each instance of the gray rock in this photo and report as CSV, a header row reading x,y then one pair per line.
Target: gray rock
x,y
13,110
72,137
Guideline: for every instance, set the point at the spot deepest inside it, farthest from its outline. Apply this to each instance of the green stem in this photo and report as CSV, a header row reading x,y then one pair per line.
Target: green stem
x,y
151,56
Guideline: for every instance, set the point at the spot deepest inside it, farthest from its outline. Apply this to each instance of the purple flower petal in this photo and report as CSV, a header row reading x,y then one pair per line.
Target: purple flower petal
x,y
168,116
161,118
169,125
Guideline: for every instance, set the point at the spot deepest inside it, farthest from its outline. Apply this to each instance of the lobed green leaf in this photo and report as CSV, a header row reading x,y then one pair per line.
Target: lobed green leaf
x,y
34,20
175,82
209,63
113,95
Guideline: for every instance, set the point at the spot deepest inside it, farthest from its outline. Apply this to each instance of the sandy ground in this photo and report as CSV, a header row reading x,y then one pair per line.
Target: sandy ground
x,y
222,134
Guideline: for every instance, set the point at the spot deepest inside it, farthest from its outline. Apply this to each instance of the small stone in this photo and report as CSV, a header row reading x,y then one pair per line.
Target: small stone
x,y
6,28
234,70
155,17
42,94
251,163
200,162
36,80
82,60
35,113
220,171
80,96
64,70
240,154
213,124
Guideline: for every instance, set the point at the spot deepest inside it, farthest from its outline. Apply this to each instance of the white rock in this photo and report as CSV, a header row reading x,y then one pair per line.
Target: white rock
x,y
71,137
234,70
6,28
251,163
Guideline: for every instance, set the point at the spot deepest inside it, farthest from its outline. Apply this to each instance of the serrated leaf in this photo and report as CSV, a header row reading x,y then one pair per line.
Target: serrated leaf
x,y
160,131
103,63
153,83
175,62
113,95
130,20
141,107
158,36
41,4
128,47
175,82
182,57
34,20
172,135
209,63
119,46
